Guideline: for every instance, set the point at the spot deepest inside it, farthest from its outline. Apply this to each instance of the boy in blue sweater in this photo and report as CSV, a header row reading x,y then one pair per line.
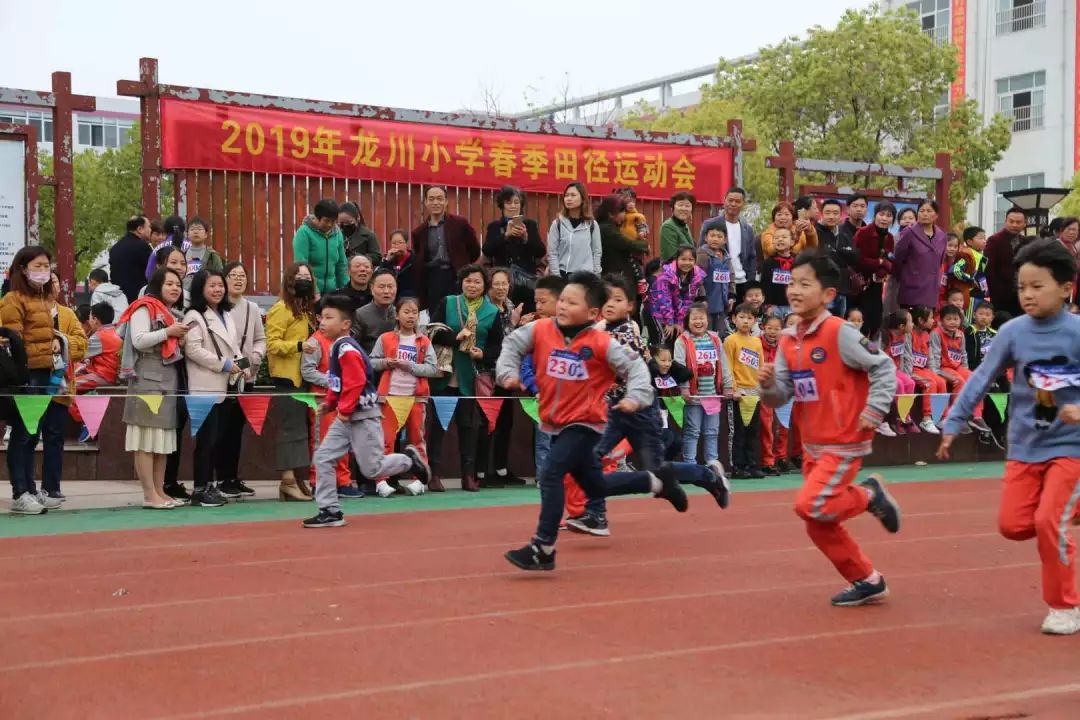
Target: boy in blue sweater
x,y
1042,477
714,259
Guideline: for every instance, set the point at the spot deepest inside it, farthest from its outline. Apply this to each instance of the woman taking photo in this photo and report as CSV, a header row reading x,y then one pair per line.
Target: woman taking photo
x,y
513,241
574,237
213,360
802,230
475,334
247,319
289,323
917,265
152,350
509,318
54,341
874,243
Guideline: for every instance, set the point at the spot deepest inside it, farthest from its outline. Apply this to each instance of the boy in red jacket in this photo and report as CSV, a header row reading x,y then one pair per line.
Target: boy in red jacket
x,y
948,358
843,385
351,394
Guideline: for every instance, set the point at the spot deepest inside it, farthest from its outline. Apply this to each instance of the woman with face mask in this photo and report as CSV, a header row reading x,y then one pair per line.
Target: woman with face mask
x,y
54,341
359,238
289,323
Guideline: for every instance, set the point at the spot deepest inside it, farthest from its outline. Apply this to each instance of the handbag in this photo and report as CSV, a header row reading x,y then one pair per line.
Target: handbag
x,y
484,384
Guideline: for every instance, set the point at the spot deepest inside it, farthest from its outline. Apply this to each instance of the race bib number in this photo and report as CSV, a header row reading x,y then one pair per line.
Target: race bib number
x,y
749,357
664,383
983,286
781,277
805,385
406,353
333,383
896,349
956,356
918,359
194,265
567,365
705,356
721,276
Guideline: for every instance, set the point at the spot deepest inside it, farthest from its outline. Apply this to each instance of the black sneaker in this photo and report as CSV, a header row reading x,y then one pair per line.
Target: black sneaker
x,y
230,489
177,492
588,525
511,480
771,471
882,504
796,463
244,489
208,496
671,491
739,473
721,488
754,473
531,557
420,469
325,518
860,592
783,467
978,425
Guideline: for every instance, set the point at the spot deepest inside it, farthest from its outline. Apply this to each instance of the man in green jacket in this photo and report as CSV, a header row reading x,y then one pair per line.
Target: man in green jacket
x,y
675,232
318,243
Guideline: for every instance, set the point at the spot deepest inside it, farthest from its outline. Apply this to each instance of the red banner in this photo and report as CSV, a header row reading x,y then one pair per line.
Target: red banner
x,y
207,136
959,40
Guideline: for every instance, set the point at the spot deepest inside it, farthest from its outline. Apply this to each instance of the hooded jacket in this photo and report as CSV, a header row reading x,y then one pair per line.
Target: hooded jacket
x,y
112,294
325,253
670,299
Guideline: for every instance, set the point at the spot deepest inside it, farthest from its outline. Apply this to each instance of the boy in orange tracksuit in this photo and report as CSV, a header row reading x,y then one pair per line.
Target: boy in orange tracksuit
x,y
842,385
926,380
313,368
774,443
948,358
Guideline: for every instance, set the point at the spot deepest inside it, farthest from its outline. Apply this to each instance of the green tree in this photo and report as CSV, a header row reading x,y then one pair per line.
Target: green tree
x,y
1070,206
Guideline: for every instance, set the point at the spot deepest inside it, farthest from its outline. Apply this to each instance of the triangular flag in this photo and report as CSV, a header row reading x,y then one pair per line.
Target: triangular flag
x,y
938,403
711,405
152,401
491,408
903,406
1000,401
308,399
531,406
783,414
31,408
92,408
402,406
675,405
444,410
747,406
255,407
199,407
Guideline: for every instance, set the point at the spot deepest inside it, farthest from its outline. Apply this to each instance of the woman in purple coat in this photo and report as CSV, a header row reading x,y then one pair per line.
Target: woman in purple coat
x,y
917,259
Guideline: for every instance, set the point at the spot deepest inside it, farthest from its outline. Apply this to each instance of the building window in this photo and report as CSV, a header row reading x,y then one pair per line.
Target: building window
x,y
103,132
1019,15
1017,182
934,16
941,107
1021,97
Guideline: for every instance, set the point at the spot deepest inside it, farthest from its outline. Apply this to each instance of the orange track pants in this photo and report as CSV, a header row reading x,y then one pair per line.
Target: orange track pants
x,y
828,497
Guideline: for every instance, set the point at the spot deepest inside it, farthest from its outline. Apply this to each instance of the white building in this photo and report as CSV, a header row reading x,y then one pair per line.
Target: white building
x,y
106,127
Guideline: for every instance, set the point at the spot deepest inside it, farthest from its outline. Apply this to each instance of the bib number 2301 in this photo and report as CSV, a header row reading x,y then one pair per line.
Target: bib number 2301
x,y
566,365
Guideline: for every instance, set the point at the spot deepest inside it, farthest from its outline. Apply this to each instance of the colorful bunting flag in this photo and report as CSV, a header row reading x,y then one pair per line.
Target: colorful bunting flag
x,y
152,401
1000,402
31,408
711,405
308,399
938,403
401,406
904,404
199,407
444,410
747,405
255,407
491,407
783,414
92,408
531,406
675,405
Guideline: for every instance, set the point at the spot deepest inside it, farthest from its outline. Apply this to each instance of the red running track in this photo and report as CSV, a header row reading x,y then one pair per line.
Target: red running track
x,y
705,615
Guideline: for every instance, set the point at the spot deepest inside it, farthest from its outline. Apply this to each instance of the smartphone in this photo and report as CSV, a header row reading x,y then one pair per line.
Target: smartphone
x,y
243,363
191,324
517,220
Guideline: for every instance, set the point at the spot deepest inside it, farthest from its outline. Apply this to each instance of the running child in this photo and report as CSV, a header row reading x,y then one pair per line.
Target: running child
x,y
926,380
575,364
842,386
545,296
405,359
1042,475
353,400
948,358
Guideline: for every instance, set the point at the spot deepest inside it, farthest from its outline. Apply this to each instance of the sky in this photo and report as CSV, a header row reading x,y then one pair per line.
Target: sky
x,y
417,54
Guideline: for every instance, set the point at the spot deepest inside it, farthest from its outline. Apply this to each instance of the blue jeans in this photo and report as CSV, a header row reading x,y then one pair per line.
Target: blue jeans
x,y
20,454
697,424
573,451
541,448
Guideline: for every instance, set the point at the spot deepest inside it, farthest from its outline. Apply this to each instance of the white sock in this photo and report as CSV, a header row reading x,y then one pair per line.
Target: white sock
x,y
657,486
547,549
501,473
873,578
869,494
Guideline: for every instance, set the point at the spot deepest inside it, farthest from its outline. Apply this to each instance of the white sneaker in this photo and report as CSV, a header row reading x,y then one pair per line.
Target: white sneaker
x,y
927,426
1062,622
886,431
414,488
49,503
27,504
384,489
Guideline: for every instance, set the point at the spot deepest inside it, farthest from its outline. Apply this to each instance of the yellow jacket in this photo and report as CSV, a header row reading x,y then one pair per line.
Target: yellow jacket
x,y
285,333
807,240
30,317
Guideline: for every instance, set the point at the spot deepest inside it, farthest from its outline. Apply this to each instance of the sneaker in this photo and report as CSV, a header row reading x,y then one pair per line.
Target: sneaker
x,y
420,468
721,490
84,434
754,473
384,489
244,489
229,488
531,557
860,592
27,504
884,430
783,466
350,492
414,488
47,501
588,525
978,425
910,427
882,504
671,490
927,425
770,471
739,473
510,479
325,518
208,496
1062,622
56,494
177,492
